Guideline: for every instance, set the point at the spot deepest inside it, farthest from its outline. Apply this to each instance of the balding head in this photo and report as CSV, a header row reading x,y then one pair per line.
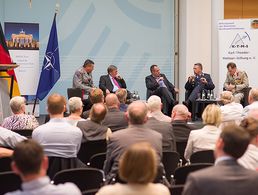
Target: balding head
x,y
137,112
56,104
180,112
154,103
98,112
253,95
96,96
112,101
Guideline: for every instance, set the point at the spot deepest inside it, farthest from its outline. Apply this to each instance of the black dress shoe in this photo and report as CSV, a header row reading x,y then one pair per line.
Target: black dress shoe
x,y
186,103
175,102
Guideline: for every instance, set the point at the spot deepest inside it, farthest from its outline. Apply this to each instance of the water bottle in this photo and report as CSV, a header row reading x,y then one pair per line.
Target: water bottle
x,y
137,97
208,94
203,95
133,95
212,95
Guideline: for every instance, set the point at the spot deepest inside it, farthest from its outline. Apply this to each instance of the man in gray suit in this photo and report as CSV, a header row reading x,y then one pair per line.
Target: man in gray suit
x,y
136,132
227,176
114,119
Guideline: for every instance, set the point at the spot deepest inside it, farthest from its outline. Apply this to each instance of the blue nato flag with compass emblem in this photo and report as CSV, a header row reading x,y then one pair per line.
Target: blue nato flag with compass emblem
x,y
50,72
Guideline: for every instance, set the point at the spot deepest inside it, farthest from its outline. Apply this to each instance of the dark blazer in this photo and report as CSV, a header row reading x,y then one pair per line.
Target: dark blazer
x,y
152,85
227,177
209,86
105,83
115,119
166,130
121,140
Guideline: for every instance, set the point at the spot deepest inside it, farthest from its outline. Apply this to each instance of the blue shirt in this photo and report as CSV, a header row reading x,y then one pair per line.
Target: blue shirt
x,y
58,138
42,186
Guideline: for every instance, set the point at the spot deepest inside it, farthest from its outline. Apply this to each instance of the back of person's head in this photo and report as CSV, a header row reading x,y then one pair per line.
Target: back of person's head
x,y
231,65
56,104
180,112
121,94
96,96
212,115
253,95
138,164
88,62
226,97
75,104
235,140
111,68
17,104
112,101
250,124
137,112
98,112
154,103
28,156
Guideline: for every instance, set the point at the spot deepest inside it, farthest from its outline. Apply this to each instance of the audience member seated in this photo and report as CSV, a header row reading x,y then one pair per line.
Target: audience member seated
x,y
180,116
158,84
231,111
58,137
155,107
9,139
252,100
121,94
30,163
75,108
236,81
96,96
165,129
205,138
136,132
227,176
19,120
114,119
111,82
92,128
137,167
196,84
250,158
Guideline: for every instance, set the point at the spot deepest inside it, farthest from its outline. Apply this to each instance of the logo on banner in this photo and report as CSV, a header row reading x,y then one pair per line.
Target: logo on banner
x,y
50,61
241,40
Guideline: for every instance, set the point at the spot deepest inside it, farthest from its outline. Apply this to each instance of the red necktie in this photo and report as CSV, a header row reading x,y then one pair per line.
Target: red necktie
x,y
115,82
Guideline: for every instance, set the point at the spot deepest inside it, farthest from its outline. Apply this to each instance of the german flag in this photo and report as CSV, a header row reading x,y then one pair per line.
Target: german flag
x,y
6,59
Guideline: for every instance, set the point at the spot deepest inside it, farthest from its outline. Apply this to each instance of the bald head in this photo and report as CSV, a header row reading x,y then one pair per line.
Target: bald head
x,y
98,112
137,112
253,95
180,112
112,101
154,103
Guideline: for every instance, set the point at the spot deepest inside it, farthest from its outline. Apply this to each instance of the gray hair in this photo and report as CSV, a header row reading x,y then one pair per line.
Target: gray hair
x,y
111,68
154,103
75,104
16,103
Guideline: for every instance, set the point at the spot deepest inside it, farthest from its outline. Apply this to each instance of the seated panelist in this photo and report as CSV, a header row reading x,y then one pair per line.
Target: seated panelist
x,y
111,82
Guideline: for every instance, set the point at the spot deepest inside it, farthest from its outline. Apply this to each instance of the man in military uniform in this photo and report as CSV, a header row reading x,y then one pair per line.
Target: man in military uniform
x,y
236,81
83,77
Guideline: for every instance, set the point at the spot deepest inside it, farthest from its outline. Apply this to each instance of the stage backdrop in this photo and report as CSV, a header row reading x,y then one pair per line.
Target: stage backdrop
x,y
130,34
238,42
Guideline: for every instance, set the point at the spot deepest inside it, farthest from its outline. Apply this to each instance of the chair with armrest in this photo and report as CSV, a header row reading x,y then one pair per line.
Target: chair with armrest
x,y
84,178
97,160
181,173
205,156
170,160
9,182
24,132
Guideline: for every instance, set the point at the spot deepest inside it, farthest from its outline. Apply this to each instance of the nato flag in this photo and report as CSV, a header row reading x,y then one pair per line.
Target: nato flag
x,y
50,72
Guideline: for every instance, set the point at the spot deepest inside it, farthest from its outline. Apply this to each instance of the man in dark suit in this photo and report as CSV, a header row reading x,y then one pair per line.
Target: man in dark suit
x,y
136,132
158,84
227,176
197,83
114,119
111,82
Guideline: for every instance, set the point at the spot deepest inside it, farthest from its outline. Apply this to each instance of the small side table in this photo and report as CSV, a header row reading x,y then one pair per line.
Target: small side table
x,y
204,103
